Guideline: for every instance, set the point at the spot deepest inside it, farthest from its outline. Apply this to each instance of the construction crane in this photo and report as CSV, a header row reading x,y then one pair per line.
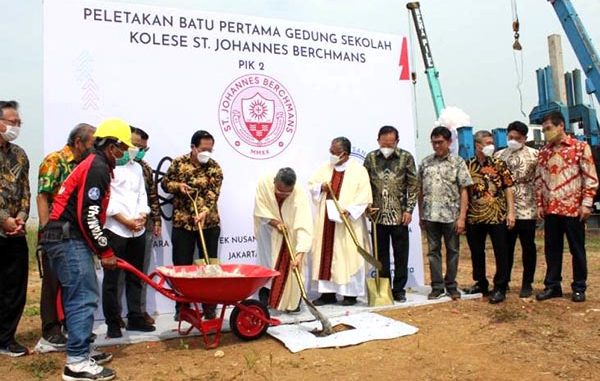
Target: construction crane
x,y
432,73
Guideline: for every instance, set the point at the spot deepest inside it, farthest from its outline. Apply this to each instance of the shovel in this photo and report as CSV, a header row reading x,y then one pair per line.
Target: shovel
x,y
327,329
207,260
364,253
378,289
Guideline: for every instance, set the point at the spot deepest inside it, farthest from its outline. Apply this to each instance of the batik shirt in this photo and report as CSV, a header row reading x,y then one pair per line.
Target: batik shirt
x,y
522,164
14,183
566,177
441,180
487,196
152,193
54,170
394,184
206,178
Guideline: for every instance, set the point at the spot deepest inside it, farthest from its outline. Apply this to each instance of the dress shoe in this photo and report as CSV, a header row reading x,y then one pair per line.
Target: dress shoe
x,y
436,293
121,322
326,298
578,296
348,301
209,311
140,325
263,295
148,319
454,293
497,296
476,289
549,293
399,297
526,291
114,331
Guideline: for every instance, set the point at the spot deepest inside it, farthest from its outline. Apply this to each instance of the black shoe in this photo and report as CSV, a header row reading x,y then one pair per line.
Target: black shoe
x,y
113,331
87,370
325,298
57,340
476,289
101,357
436,293
497,296
454,293
526,291
176,316
93,337
13,349
399,297
348,301
549,293
209,311
263,295
121,322
139,325
578,296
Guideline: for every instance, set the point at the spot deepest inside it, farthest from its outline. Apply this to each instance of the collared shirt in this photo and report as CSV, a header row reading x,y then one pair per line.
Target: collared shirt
x,y
522,164
441,180
53,171
487,196
394,184
152,193
206,178
566,177
14,183
127,197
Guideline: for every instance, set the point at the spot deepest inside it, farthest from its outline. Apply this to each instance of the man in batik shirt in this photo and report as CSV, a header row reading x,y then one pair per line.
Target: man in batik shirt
x,y
195,173
566,183
491,211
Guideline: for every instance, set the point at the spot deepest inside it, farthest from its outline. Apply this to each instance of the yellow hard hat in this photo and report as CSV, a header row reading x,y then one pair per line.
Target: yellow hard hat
x,y
114,128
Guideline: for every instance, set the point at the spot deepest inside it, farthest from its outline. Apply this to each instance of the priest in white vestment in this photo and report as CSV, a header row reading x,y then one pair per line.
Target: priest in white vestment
x,y
337,266
281,203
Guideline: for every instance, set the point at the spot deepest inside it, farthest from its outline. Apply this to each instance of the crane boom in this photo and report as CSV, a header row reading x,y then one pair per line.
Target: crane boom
x,y
432,74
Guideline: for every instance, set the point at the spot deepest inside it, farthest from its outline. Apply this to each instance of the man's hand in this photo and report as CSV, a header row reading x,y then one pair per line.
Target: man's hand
x,y
584,213
184,188
372,212
510,220
406,218
297,264
325,188
13,226
540,213
459,227
200,219
109,263
280,226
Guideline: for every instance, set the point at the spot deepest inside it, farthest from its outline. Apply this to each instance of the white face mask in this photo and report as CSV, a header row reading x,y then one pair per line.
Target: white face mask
x,y
11,133
488,150
333,159
203,157
386,152
514,145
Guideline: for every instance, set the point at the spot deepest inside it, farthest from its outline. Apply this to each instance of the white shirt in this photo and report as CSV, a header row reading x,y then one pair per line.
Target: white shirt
x,y
127,197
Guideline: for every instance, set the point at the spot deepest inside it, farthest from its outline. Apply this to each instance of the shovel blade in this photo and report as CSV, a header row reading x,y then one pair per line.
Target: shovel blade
x,y
379,293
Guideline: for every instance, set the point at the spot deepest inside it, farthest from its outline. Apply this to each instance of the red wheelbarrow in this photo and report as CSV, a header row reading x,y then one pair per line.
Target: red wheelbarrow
x,y
249,319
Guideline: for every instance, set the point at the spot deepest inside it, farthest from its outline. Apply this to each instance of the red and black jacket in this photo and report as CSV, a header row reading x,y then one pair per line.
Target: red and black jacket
x,y
82,201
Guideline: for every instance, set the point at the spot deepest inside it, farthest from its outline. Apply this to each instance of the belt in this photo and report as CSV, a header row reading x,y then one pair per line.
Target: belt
x,y
57,231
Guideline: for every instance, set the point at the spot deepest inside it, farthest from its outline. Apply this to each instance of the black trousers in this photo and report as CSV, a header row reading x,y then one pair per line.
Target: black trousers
x,y
398,236
555,228
48,311
186,241
525,231
131,250
14,269
476,236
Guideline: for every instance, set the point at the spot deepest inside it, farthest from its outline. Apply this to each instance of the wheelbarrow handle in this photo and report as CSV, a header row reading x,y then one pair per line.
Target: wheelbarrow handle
x,y
158,286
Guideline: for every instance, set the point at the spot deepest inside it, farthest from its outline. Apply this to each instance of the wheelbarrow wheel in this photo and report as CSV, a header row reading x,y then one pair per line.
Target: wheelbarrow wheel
x,y
245,324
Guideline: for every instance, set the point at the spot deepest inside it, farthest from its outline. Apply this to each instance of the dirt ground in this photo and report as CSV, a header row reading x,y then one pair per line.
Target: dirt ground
x,y
520,339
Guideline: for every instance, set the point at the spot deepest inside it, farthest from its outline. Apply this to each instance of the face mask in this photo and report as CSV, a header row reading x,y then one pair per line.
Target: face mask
x,y
11,133
203,157
140,155
550,135
386,152
333,159
488,150
123,159
514,145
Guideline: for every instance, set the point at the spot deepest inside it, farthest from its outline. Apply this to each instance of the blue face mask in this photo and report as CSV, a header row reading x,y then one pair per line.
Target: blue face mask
x,y
140,155
124,159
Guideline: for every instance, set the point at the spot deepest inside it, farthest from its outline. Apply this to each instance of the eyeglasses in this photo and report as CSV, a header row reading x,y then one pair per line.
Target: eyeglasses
x,y
437,142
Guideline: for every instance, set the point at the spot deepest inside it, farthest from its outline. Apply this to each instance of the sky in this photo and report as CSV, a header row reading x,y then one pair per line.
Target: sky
x,y
470,40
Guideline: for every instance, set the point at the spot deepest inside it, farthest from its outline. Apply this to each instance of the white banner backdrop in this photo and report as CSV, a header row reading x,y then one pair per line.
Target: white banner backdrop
x,y
172,72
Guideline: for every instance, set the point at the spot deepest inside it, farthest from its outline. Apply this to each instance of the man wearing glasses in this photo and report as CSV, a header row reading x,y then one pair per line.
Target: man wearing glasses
x,y
443,199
